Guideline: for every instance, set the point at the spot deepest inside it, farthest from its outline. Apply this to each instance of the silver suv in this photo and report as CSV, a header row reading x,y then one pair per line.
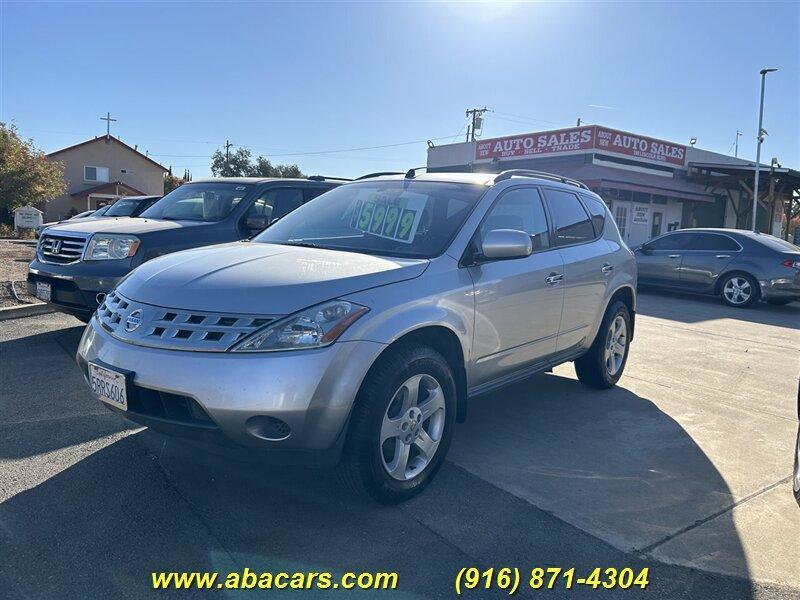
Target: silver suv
x,y
355,329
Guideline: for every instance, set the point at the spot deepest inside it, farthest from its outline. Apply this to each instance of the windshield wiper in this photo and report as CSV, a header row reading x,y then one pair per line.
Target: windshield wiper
x,y
301,244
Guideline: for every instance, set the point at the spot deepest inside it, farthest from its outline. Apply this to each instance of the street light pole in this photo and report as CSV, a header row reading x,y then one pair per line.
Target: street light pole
x,y
760,139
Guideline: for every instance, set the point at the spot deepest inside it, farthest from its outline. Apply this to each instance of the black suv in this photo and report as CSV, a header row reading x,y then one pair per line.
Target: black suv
x,y
76,264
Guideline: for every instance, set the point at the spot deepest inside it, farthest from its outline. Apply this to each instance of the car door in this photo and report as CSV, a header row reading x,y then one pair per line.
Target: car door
x,y
659,260
586,266
708,255
517,301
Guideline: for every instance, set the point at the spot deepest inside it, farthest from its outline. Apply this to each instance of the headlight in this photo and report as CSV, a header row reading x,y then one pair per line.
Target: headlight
x,y
315,327
105,246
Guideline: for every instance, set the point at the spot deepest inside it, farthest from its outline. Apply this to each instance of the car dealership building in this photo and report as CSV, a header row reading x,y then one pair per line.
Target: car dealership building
x,y
652,186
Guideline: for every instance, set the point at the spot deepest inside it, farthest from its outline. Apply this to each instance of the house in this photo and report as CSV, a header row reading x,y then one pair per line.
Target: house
x,y
101,170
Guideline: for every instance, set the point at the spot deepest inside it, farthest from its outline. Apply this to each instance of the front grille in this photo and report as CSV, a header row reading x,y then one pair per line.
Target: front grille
x,y
158,327
61,248
167,406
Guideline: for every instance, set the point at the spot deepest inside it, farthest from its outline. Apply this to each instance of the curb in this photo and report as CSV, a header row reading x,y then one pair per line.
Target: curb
x,y
27,310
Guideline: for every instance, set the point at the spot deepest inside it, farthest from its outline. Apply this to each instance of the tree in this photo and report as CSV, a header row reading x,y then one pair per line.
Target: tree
x,y
240,164
27,176
173,181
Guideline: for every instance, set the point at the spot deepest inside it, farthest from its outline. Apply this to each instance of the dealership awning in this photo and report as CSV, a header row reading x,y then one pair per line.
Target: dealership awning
x,y
116,188
597,176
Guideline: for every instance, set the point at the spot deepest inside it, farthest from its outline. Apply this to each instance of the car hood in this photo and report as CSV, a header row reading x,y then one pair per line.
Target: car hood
x,y
132,225
257,278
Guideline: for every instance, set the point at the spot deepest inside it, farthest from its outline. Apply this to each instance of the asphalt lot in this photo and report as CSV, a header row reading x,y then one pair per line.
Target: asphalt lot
x,y
684,467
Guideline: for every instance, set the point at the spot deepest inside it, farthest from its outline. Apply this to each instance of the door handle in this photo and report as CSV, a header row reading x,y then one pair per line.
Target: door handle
x,y
674,256
607,268
553,278
723,255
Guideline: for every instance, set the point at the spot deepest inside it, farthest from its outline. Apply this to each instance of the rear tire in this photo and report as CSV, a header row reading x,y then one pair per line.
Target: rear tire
x,y
397,438
602,366
739,290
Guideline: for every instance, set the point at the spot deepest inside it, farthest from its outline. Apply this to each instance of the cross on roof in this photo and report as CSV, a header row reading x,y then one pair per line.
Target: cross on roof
x,y
108,120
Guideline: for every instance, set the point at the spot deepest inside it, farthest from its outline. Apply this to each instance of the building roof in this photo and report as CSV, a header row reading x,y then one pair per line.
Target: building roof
x,y
624,179
110,137
112,187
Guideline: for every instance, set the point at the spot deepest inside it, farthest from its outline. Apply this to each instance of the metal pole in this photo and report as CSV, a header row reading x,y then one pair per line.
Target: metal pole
x,y
758,148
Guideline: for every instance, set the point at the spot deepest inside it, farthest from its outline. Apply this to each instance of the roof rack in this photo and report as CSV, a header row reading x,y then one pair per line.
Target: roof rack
x,y
411,173
378,174
540,174
326,178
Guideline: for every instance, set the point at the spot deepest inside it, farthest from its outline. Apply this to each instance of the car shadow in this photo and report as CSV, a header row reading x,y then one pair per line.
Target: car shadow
x,y
690,308
147,503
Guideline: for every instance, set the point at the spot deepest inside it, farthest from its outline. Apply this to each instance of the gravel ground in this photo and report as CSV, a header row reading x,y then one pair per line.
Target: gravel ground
x,y
14,258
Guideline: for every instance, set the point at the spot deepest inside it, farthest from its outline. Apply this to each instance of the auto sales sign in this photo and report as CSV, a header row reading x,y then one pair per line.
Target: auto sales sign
x,y
577,139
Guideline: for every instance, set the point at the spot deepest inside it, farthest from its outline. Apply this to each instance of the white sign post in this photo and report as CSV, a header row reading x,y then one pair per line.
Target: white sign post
x,y
27,217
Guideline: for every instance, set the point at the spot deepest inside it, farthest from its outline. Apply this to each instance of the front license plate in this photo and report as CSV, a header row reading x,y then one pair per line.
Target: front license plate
x,y
43,291
109,386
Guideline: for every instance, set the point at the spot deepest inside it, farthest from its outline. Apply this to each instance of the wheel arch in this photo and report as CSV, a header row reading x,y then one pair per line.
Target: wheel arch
x,y
447,343
627,295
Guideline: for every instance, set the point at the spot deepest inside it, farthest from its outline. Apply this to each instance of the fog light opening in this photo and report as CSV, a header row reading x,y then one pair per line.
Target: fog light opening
x,y
268,428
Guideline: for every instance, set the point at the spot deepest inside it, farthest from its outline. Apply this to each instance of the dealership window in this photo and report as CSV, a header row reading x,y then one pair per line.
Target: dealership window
x,y
572,223
95,174
520,209
621,217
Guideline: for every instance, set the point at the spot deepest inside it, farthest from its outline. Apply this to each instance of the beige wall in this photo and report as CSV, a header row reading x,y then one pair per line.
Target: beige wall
x,y
141,173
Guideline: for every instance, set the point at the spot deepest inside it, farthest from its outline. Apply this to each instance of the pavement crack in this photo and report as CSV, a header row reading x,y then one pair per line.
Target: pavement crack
x,y
648,549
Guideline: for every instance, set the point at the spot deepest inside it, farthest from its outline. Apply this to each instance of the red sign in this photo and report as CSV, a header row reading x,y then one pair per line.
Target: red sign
x,y
638,146
582,138
531,144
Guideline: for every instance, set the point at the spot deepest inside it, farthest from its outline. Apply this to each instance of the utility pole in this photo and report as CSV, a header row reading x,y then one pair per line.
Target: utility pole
x,y
108,120
227,154
736,144
477,121
760,140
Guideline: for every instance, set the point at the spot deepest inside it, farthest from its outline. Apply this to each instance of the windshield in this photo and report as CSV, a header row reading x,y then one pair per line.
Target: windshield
x,y
198,202
122,208
415,219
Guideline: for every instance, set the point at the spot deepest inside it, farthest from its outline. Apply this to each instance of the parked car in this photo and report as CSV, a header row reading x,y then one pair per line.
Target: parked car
x,y
77,264
357,326
739,266
87,214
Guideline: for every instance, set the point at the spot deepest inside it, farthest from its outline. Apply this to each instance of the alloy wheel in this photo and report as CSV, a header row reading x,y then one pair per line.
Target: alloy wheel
x,y
616,342
412,427
737,290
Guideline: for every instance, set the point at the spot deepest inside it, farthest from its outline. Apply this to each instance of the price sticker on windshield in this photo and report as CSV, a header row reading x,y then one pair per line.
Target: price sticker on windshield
x,y
396,219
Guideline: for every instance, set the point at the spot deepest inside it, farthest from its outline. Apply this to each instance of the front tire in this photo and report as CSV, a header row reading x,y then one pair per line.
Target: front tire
x,y
401,426
739,290
602,366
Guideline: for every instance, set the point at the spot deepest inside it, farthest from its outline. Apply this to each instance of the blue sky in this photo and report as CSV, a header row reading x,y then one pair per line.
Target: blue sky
x,y
286,79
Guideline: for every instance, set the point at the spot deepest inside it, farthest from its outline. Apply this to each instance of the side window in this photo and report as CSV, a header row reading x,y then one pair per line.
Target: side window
x,y
520,209
714,241
313,192
572,224
675,241
275,202
597,210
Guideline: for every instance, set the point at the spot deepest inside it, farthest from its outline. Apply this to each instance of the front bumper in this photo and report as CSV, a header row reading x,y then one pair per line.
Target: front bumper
x,y
312,391
75,286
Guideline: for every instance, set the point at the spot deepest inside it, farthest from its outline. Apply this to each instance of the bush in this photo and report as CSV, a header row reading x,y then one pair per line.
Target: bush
x,y
6,230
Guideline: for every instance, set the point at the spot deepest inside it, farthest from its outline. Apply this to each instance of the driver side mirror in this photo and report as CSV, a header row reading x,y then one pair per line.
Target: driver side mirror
x,y
645,249
256,223
506,244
